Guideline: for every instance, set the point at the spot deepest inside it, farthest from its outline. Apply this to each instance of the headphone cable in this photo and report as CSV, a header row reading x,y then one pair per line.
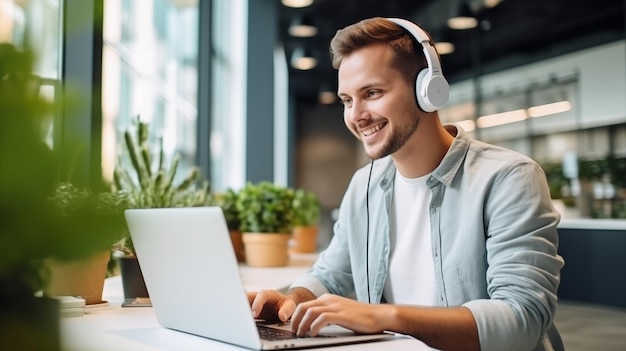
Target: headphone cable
x,y
367,237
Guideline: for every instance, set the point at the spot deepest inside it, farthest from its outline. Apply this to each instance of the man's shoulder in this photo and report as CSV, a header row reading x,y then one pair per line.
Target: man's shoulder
x,y
466,151
497,154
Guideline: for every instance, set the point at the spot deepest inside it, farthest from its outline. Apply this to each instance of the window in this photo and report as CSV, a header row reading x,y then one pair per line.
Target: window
x,y
36,25
150,70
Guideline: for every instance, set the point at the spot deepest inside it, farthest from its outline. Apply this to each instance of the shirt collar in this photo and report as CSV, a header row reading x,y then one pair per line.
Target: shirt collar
x,y
448,167
452,161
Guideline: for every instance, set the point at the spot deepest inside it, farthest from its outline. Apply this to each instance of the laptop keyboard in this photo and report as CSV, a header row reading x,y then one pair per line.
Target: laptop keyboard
x,y
272,334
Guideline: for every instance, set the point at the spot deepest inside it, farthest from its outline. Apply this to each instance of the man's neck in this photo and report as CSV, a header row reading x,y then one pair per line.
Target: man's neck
x,y
425,150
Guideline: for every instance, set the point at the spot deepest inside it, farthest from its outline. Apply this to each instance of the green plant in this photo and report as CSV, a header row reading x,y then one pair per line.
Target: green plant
x,y
32,227
142,183
77,207
617,169
306,208
592,169
145,187
265,208
556,179
228,202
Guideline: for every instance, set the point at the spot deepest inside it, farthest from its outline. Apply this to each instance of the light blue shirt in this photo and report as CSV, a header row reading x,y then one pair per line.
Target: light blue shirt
x,y
494,242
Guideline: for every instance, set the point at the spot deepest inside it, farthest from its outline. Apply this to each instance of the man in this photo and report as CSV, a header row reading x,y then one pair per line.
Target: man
x,y
444,238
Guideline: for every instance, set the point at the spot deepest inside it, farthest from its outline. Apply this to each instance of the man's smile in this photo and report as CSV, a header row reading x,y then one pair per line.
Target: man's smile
x,y
372,129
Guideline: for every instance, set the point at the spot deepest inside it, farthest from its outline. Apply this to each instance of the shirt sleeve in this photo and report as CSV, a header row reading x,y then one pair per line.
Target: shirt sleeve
x,y
523,271
332,272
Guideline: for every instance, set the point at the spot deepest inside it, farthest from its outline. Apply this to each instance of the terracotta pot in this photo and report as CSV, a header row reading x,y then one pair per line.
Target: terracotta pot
x,y
304,239
83,277
266,249
237,240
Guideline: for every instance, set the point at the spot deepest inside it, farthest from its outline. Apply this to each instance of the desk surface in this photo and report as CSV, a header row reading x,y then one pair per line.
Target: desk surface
x,y
113,327
593,224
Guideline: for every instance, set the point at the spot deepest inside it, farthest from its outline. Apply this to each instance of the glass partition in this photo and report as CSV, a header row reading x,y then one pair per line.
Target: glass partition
x,y
150,70
36,25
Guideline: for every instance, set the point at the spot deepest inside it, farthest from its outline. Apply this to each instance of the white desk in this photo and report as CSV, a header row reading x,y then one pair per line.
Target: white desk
x,y
135,328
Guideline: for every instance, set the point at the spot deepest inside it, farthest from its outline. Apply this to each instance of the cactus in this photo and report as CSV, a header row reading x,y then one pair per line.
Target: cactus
x,y
140,186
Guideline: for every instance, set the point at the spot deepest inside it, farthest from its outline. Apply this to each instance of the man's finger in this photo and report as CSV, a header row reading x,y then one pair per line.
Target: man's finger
x,y
258,303
299,313
251,296
286,310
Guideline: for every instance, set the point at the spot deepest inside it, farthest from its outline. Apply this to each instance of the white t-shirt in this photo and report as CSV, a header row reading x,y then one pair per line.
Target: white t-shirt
x,y
411,277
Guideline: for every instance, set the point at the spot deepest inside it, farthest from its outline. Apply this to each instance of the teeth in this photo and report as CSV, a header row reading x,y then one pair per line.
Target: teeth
x,y
372,130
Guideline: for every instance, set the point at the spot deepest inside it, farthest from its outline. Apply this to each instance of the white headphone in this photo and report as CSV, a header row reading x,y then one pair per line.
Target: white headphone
x,y
431,88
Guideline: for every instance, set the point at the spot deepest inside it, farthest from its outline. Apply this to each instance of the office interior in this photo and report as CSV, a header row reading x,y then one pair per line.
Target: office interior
x,y
218,80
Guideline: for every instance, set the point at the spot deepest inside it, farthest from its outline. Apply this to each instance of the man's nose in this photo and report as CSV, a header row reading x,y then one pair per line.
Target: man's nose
x,y
358,112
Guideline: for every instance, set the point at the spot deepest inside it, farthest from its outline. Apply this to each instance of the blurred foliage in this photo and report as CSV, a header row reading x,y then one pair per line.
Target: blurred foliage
x,y
228,202
556,179
595,169
610,170
32,227
306,208
76,209
592,169
617,170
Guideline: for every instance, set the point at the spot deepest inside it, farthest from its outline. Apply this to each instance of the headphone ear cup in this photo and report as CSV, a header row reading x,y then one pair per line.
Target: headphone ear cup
x,y
419,86
432,91
431,88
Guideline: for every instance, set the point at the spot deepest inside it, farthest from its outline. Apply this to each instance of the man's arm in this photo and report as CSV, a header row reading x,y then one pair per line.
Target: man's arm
x,y
299,295
444,328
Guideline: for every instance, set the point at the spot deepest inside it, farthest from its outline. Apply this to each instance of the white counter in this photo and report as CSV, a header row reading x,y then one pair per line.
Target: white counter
x,y
593,223
112,327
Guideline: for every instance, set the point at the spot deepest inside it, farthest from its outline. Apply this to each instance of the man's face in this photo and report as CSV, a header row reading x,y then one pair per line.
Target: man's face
x,y
379,102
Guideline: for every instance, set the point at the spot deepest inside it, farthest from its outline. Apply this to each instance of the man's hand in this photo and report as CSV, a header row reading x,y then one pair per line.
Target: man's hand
x,y
310,317
271,305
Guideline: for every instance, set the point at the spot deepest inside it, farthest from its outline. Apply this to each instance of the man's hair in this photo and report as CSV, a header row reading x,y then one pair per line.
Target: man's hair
x,y
408,54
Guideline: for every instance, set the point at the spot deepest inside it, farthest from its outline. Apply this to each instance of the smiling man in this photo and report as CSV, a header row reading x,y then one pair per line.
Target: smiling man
x,y
442,237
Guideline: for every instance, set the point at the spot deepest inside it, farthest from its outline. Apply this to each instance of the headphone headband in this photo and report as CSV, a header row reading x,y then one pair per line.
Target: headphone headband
x,y
431,88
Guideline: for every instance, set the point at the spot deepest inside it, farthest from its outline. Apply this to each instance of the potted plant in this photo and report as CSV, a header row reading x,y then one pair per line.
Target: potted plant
x,y
227,201
84,276
266,221
305,224
143,179
31,229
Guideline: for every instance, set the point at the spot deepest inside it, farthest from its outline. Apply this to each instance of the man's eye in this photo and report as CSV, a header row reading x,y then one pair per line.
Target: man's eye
x,y
346,102
372,93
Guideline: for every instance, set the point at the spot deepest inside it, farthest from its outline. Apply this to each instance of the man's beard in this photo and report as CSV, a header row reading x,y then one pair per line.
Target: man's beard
x,y
396,141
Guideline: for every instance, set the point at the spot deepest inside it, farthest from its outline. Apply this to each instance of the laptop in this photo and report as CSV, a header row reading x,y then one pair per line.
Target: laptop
x,y
193,279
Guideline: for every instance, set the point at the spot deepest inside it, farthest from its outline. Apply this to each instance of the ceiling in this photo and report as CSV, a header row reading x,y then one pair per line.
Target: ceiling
x,y
511,33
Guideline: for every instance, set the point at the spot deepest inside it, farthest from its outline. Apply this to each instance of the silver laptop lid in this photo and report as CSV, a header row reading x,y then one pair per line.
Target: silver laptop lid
x,y
193,279
186,257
